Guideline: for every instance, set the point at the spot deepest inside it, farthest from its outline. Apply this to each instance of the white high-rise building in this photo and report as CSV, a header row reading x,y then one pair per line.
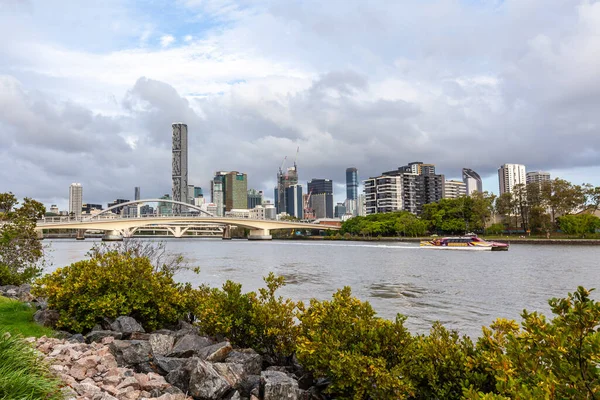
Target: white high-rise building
x,y
472,180
538,177
510,175
75,199
454,189
180,165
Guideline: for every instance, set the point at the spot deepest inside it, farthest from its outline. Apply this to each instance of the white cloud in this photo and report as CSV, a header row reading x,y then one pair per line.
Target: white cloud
x,y
167,40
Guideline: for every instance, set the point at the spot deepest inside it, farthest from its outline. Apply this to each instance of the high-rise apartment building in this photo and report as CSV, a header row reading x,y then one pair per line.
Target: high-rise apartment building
x,y
190,194
294,201
510,175
255,198
136,195
340,210
165,208
321,197
217,195
180,165
537,177
454,189
75,199
472,180
284,181
236,191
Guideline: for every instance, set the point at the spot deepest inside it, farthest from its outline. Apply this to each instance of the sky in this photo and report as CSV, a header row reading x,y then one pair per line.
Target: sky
x,y
89,90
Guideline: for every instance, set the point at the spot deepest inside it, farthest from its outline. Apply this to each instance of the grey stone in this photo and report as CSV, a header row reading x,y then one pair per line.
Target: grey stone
x,y
276,385
251,360
216,352
232,373
168,364
131,352
161,344
76,338
126,324
189,345
46,317
250,384
180,377
206,383
97,336
233,396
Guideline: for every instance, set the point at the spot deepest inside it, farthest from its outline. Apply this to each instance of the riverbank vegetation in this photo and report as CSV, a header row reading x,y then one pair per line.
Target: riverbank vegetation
x,y
541,209
359,354
17,319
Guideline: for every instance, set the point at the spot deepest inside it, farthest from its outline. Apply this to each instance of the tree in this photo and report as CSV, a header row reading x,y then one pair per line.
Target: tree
x,y
21,253
505,206
592,194
482,207
579,224
562,197
521,205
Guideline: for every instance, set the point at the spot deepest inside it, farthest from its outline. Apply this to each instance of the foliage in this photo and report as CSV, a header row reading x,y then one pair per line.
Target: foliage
x,y
364,356
262,321
17,318
21,253
23,373
387,224
439,364
111,284
495,229
579,224
554,359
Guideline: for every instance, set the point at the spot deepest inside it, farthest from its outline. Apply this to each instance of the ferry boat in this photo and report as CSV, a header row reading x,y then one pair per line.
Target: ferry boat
x,y
471,242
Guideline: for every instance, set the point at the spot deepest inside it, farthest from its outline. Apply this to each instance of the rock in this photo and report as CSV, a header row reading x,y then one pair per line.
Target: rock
x,y
250,383
46,317
98,335
233,396
24,293
76,338
126,325
139,336
161,344
180,377
251,360
206,383
131,352
189,345
216,352
276,385
168,364
232,373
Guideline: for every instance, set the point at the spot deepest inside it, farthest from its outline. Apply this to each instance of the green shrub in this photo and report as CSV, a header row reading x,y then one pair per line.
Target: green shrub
x,y
112,284
557,359
364,356
495,229
23,373
261,321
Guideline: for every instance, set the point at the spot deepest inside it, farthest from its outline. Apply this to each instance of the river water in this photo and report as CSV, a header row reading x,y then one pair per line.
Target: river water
x,y
463,289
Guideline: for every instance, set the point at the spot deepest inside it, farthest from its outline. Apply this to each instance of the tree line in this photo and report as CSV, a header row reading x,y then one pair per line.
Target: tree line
x,y
536,208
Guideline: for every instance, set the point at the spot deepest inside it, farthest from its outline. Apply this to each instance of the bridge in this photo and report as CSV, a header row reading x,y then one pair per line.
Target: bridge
x,y
115,228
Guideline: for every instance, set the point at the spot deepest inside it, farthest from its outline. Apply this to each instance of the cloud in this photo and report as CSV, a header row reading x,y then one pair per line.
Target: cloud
x,y
459,84
167,40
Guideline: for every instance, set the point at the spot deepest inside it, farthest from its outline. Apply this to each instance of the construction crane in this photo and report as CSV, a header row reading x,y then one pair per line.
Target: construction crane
x,y
281,167
296,157
308,212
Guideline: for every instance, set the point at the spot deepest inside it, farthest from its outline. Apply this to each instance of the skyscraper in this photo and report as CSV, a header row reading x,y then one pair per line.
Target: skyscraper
x,y
321,197
217,197
472,180
180,165
510,175
236,191
454,189
351,183
75,199
537,177
284,181
136,195
255,198
294,201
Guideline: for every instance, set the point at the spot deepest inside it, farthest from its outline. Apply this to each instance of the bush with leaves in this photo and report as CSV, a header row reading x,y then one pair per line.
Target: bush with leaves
x,y
363,355
263,321
21,253
111,284
556,359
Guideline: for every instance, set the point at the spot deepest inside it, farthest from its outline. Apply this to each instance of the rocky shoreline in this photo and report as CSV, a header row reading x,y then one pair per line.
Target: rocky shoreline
x,y
118,360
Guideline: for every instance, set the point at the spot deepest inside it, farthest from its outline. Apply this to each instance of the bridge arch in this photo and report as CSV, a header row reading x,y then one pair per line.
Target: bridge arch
x,y
128,203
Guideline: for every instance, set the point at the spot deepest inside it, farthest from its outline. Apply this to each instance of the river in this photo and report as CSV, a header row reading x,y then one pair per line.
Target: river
x,y
463,289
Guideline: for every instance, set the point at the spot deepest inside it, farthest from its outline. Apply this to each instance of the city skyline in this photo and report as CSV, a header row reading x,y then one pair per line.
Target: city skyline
x,y
92,102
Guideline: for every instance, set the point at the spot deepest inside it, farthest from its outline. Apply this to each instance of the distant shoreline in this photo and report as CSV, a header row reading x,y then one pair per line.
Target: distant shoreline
x,y
541,241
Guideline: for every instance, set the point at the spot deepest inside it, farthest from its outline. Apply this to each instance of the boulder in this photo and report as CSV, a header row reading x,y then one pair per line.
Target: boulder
x,y
168,364
46,317
161,344
98,335
76,338
180,377
250,384
233,396
131,352
206,383
126,325
216,352
189,345
276,385
232,373
248,358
